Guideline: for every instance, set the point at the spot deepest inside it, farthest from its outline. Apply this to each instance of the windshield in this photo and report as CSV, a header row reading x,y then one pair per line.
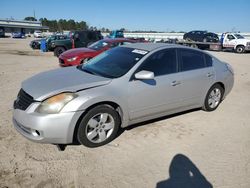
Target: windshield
x,y
51,37
238,36
119,34
98,45
113,63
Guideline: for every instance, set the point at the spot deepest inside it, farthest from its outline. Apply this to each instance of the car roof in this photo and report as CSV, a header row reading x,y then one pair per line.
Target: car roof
x,y
159,46
149,46
116,40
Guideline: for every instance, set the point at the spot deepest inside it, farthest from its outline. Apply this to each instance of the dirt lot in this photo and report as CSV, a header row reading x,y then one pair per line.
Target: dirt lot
x,y
195,149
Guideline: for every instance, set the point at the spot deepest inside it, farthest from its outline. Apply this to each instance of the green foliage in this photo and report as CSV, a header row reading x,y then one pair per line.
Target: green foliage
x,y
30,18
62,24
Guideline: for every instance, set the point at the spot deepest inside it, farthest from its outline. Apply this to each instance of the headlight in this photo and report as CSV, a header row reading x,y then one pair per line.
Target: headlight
x,y
53,45
71,59
56,103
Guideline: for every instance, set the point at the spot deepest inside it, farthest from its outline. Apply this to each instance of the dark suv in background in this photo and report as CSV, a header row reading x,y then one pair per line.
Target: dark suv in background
x,y
76,39
201,36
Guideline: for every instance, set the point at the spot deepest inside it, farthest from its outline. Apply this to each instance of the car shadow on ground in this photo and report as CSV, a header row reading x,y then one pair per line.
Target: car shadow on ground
x,y
184,174
155,120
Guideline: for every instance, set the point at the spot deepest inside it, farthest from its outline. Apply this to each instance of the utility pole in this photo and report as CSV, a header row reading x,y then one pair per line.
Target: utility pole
x,y
34,13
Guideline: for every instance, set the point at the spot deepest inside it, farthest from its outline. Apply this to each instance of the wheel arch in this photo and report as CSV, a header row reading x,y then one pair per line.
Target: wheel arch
x,y
111,104
239,45
221,84
204,107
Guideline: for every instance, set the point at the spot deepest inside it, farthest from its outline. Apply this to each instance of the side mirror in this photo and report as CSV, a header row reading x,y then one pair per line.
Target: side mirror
x,y
144,75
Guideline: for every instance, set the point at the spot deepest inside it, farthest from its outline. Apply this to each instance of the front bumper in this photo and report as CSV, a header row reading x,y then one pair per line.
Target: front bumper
x,y
46,128
247,48
64,63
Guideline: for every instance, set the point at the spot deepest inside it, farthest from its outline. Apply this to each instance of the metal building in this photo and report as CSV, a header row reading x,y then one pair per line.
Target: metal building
x,y
10,26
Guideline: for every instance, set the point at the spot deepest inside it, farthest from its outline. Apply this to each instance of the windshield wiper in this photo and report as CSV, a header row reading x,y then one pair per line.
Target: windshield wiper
x,y
80,67
86,70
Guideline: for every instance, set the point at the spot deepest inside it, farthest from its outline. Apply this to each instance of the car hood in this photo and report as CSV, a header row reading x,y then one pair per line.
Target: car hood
x,y
242,41
70,79
76,51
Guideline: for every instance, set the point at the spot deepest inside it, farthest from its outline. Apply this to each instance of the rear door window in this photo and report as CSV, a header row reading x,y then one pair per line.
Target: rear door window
x,y
191,60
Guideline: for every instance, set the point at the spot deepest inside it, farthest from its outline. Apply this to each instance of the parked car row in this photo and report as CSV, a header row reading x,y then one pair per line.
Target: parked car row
x,y
38,34
78,56
18,35
75,39
35,44
208,40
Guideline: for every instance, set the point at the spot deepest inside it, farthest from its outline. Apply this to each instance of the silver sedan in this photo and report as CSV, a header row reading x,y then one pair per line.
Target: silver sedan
x,y
120,87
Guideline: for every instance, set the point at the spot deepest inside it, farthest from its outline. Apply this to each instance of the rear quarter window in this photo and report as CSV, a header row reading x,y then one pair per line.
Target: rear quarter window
x,y
209,60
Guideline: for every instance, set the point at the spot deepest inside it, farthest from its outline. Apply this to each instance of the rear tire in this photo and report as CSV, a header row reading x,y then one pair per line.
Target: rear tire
x,y
194,46
213,98
58,51
98,126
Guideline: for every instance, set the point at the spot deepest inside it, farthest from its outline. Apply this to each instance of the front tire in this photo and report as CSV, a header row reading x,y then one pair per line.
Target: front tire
x,y
98,126
213,98
240,49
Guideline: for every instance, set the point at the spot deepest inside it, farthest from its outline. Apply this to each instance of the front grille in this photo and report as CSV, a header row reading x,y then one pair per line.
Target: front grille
x,y
23,100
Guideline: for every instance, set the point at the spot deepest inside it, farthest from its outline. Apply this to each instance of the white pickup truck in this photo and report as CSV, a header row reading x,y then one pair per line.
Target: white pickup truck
x,y
235,41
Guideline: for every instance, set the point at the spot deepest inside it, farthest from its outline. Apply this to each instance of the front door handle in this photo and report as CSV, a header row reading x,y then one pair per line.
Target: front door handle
x,y
175,83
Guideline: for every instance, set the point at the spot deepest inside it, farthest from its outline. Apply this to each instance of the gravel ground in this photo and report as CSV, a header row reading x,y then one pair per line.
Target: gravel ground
x,y
194,149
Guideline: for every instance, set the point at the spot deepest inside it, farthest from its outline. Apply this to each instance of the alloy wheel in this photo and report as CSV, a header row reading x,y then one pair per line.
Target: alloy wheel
x,y
214,98
99,127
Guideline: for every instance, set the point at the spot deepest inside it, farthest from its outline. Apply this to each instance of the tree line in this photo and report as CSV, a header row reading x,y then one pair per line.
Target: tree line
x,y
68,25
64,25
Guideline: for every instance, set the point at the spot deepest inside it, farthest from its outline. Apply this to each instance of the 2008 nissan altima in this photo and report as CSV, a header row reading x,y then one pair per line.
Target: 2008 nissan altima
x,y
120,87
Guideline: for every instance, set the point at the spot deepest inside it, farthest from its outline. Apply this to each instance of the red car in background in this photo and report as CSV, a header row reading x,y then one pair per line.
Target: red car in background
x,y
80,55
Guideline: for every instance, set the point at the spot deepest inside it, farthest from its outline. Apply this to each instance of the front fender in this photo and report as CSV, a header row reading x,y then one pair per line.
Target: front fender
x,y
93,96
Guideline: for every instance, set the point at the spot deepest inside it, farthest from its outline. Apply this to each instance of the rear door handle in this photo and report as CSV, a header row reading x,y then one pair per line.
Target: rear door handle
x,y
175,83
210,74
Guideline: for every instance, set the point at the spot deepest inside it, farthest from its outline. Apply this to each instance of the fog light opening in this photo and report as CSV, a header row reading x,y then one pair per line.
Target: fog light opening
x,y
35,133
